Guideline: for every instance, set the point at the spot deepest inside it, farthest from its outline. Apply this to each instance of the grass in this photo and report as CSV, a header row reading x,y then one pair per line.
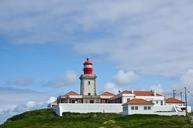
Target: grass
x,y
47,119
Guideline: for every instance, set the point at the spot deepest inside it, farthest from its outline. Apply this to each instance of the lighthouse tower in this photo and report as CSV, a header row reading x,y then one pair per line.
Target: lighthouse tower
x,y
88,80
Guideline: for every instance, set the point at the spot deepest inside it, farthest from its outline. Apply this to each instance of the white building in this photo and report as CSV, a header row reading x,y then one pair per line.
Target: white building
x,y
125,102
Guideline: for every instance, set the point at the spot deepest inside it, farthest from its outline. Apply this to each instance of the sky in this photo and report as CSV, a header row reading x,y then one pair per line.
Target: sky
x,y
133,44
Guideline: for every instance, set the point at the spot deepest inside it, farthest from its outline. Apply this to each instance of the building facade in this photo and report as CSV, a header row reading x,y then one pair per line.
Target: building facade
x,y
126,102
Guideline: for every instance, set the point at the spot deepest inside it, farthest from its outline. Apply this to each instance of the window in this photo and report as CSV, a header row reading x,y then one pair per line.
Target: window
x,y
134,107
89,94
91,101
125,108
88,82
147,107
73,101
157,102
161,102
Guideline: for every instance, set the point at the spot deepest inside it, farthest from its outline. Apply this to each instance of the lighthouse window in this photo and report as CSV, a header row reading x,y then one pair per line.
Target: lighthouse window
x,y
88,82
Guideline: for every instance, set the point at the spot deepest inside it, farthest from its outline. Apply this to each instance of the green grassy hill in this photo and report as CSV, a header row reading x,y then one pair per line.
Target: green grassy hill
x,y
47,119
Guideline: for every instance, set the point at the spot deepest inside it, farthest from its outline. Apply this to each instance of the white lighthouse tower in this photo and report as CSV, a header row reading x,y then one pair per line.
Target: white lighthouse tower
x,y
88,80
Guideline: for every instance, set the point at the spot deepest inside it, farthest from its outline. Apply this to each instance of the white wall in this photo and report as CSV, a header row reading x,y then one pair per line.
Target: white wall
x,y
158,110
88,108
173,104
140,110
125,97
155,99
88,88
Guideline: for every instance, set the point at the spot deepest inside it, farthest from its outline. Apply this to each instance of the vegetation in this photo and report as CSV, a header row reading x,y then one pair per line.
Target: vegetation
x,y
47,119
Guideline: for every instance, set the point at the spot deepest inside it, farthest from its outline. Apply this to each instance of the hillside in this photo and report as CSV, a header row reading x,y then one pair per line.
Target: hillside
x,y
47,119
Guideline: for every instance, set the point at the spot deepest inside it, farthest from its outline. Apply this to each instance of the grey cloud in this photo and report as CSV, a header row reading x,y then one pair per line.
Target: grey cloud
x,y
69,78
15,101
125,77
18,109
20,81
19,96
150,37
158,42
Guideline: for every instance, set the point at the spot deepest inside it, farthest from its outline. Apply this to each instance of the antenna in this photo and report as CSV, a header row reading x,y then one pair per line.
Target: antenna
x,y
181,96
186,101
174,93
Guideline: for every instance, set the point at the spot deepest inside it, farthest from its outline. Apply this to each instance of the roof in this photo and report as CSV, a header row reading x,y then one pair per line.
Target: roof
x,y
173,100
87,62
125,92
140,93
139,102
107,94
145,93
71,93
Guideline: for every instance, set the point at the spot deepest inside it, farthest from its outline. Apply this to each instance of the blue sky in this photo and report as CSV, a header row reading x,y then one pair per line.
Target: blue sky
x,y
33,66
133,44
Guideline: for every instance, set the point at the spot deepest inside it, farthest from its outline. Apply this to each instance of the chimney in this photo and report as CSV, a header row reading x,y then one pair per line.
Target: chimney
x,y
155,93
132,91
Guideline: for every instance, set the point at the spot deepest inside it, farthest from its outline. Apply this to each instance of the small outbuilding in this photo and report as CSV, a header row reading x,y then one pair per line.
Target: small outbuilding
x,y
137,106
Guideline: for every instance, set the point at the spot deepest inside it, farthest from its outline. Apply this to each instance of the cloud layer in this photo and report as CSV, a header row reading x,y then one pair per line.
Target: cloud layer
x,y
151,37
18,109
15,101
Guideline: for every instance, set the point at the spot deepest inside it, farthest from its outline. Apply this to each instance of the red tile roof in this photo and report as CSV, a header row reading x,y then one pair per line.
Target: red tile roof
x,y
145,93
139,102
107,94
140,93
71,93
125,92
173,100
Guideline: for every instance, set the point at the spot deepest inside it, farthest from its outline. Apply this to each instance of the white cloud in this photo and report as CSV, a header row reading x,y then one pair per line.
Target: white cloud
x,y
187,81
14,101
187,78
125,77
153,39
9,97
52,99
158,88
111,87
69,78
149,37
18,109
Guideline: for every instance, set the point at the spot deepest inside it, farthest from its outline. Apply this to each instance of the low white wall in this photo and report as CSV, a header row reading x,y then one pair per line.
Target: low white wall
x,y
56,109
164,108
88,108
140,110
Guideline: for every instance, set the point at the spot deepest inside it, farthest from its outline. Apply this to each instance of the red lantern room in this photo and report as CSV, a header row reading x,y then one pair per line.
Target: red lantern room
x,y
88,67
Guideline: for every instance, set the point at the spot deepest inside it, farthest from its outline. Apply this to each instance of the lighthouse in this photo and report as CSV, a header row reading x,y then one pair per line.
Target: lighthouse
x,y
88,79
